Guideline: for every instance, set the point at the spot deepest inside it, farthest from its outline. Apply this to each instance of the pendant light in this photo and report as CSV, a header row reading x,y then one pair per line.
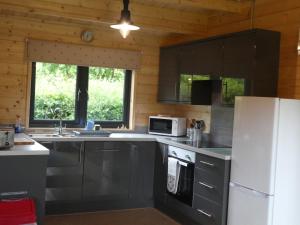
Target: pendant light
x,y
125,25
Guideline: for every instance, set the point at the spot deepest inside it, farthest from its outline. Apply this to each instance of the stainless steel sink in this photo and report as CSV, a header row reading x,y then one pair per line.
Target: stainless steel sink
x,y
51,135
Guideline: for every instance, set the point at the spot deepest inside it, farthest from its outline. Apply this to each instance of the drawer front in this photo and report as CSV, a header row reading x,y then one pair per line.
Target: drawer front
x,y
208,212
213,165
209,185
102,145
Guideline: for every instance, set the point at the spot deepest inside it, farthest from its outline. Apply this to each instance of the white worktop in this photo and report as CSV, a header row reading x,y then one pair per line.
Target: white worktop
x,y
19,150
222,153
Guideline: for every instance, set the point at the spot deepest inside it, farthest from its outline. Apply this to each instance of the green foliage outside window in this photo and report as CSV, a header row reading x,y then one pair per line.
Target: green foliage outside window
x,y
56,88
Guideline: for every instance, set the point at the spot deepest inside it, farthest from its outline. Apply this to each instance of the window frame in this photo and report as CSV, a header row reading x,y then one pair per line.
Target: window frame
x,y
81,102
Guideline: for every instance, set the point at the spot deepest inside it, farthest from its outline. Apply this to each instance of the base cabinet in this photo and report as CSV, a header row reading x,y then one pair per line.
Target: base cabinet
x,y
160,174
24,176
99,175
106,171
210,190
64,171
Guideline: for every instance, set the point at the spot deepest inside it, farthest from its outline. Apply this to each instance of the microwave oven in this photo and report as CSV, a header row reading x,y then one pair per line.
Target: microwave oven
x,y
169,126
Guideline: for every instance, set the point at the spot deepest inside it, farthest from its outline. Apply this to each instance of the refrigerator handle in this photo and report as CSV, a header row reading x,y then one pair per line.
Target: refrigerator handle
x,y
254,192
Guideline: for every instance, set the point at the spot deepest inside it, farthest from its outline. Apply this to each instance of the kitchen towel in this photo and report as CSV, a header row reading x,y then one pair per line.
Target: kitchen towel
x,y
173,175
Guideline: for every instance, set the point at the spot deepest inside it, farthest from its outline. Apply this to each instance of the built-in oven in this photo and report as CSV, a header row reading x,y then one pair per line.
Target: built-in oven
x,y
181,164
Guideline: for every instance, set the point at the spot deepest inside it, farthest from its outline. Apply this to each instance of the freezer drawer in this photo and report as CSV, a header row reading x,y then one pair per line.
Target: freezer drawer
x,y
247,207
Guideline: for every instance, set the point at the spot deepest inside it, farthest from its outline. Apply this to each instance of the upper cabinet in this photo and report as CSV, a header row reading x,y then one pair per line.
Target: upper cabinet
x,y
239,56
168,75
203,58
246,63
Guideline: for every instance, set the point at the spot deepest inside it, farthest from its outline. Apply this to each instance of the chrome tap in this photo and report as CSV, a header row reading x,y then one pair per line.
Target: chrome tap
x,y
59,113
60,128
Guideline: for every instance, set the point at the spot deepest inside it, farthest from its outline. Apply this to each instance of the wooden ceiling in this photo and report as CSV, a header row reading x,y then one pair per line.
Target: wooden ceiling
x,y
161,16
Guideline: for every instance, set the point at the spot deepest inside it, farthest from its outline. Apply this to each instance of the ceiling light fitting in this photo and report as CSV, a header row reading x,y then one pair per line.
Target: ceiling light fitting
x,y
124,24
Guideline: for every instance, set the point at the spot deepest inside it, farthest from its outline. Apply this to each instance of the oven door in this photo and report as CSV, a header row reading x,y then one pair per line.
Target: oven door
x,y
160,126
185,183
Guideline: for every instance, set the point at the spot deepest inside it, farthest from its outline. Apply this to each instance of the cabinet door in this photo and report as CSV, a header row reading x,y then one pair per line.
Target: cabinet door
x,y
239,56
202,58
106,171
160,174
142,171
64,171
168,75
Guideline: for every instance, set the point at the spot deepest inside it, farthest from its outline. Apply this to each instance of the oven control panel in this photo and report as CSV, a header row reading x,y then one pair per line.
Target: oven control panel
x,y
182,154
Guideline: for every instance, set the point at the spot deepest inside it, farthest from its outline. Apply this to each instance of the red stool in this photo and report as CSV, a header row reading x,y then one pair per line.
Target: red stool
x,y
17,212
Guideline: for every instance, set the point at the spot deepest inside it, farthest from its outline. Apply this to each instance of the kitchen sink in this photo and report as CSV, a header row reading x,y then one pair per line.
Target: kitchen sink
x,y
51,135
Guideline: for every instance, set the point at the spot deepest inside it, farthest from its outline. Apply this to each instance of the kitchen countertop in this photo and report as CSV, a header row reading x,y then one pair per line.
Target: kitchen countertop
x,y
220,152
33,149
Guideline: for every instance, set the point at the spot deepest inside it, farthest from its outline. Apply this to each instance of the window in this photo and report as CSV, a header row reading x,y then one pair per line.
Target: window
x,y
77,94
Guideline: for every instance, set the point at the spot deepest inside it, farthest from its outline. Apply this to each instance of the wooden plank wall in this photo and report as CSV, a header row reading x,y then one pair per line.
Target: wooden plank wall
x,y
15,75
278,15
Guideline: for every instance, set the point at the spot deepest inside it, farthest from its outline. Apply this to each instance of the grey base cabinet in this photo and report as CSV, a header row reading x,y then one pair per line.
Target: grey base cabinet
x,y
101,175
119,173
210,191
64,171
107,171
26,175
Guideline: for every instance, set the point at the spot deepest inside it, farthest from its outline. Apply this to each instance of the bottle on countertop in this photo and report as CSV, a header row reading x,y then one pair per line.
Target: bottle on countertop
x,y
18,126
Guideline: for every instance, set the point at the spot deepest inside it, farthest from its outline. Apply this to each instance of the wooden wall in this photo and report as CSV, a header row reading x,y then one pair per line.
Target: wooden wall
x,y
277,15
15,70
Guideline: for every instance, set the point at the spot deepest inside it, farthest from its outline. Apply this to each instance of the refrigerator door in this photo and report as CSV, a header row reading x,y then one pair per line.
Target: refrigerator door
x,y
247,207
254,143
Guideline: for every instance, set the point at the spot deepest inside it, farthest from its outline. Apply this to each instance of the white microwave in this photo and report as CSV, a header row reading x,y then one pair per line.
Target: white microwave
x,y
169,126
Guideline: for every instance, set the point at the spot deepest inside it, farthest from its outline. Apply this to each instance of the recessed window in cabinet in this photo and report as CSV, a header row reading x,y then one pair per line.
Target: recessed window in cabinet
x,y
186,86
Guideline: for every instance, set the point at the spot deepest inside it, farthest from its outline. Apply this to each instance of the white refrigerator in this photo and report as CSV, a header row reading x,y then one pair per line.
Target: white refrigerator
x,y
265,168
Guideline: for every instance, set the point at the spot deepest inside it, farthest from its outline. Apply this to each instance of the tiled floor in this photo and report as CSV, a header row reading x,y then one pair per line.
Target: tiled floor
x,y
146,216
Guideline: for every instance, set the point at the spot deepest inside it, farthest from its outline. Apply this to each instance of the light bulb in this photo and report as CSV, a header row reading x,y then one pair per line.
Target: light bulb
x,y
124,28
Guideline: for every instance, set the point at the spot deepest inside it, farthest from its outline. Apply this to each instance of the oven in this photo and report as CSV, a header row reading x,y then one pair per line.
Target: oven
x,y
185,164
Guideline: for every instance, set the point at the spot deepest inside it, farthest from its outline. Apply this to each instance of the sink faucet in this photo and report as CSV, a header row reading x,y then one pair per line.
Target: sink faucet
x,y
60,128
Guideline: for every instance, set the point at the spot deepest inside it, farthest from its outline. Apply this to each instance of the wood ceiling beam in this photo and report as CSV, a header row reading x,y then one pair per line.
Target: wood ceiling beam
x,y
231,6
156,20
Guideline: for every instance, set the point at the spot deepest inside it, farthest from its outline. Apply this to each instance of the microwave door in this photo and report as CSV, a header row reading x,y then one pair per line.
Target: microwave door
x,y
163,126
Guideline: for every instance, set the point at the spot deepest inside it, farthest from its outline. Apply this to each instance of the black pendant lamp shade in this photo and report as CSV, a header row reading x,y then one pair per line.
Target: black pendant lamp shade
x,y
125,25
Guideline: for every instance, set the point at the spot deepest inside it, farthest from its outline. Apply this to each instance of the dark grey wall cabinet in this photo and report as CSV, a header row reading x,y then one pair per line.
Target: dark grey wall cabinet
x,y
252,55
64,171
201,58
239,56
25,174
169,75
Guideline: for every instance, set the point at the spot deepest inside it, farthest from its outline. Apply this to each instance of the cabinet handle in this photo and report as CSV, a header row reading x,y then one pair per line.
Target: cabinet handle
x,y
109,150
204,213
206,185
207,163
175,91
